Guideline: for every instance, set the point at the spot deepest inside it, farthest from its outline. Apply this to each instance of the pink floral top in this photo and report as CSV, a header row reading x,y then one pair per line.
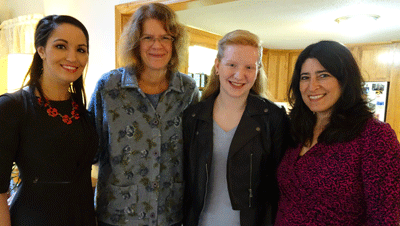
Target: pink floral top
x,y
352,183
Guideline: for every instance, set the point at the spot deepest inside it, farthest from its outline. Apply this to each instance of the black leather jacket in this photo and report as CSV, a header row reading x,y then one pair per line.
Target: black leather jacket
x,y
257,147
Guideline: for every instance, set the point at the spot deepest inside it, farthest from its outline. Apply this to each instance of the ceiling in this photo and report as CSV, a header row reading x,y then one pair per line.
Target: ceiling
x,y
294,24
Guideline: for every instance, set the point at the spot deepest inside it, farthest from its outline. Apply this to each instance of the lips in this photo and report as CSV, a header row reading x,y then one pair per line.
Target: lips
x,y
316,97
236,84
155,55
70,68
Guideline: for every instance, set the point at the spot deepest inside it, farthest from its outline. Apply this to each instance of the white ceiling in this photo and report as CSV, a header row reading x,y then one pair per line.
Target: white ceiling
x,y
294,24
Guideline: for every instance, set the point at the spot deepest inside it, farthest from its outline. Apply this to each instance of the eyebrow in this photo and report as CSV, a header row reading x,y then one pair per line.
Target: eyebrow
x,y
63,40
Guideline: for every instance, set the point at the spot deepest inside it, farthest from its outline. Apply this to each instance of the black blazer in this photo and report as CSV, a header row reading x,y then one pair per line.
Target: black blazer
x,y
258,145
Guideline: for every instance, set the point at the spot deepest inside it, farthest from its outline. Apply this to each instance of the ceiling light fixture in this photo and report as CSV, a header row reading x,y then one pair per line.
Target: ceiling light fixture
x,y
356,19
357,25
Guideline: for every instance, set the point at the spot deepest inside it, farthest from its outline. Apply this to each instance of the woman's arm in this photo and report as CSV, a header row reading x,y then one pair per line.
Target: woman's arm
x,y
4,211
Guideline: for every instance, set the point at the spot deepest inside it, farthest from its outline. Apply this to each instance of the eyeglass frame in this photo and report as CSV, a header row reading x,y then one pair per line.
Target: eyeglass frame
x,y
163,40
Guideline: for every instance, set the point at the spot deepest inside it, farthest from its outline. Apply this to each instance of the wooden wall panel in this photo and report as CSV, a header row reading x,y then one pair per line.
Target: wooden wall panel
x,y
393,110
279,69
371,67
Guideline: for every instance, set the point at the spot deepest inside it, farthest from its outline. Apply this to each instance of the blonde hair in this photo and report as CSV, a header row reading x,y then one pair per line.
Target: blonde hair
x,y
237,37
129,47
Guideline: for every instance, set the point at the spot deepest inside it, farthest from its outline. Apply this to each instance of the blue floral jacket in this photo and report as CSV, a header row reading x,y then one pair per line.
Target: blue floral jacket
x,y
140,178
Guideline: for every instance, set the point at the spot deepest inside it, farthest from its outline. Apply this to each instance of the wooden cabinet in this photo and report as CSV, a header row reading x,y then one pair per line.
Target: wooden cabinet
x,y
279,66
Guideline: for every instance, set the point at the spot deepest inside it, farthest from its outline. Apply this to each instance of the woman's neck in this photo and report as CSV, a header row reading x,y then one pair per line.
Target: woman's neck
x,y
54,89
229,103
153,82
227,112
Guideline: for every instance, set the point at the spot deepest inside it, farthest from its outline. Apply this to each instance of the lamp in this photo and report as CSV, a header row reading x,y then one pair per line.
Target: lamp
x,y
17,67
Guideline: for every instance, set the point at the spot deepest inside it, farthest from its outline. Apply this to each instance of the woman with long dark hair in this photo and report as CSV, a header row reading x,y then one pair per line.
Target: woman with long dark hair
x,y
45,130
345,169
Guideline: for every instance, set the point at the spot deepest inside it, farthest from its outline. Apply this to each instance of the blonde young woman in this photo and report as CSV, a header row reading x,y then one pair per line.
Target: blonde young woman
x,y
233,141
138,110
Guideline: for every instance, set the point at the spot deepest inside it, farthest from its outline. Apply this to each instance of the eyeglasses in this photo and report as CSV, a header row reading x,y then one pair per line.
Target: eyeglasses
x,y
150,40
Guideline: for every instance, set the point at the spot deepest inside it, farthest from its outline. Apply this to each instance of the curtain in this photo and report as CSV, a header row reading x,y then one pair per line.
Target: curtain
x,y
17,35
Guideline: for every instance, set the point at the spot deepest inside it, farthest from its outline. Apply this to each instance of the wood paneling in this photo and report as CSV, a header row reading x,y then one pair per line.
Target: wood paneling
x,y
277,73
372,68
279,66
393,110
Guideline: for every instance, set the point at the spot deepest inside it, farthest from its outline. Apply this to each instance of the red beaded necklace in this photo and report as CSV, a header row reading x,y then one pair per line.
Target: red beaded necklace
x,y
53,112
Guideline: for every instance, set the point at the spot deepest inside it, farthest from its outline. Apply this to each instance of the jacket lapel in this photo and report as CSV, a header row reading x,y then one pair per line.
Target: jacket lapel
x,y
248,127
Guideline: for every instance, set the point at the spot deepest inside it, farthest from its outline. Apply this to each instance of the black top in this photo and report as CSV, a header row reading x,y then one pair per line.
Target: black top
x,y
54,160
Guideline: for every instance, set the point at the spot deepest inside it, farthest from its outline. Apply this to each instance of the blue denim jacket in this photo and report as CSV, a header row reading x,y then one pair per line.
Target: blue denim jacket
x,y
140,178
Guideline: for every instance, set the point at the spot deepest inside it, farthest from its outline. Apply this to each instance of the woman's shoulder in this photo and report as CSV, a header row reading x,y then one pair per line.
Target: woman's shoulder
x,y
13,103
377,128
186,79
187,82
110,78
16,97
265,104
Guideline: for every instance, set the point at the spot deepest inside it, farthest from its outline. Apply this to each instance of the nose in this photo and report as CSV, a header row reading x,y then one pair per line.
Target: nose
x,y
314,84
71,55
240,73
156,43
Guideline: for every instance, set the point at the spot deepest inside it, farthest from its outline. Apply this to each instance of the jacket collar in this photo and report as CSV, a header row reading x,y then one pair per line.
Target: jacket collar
x,y
129,80
254,102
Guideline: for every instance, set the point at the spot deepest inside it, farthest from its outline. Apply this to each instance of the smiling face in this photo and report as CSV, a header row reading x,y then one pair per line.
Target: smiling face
x,y
319,89
237,70
155,55
64,56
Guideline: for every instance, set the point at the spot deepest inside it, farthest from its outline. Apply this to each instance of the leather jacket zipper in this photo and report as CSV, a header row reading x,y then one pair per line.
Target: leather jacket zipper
x,y
251,175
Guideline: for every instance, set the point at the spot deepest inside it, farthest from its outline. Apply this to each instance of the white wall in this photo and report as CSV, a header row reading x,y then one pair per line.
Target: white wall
x,y
4,12
17,8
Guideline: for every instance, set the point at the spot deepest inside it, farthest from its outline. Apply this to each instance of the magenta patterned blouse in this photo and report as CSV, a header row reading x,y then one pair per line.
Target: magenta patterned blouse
x,y
352,183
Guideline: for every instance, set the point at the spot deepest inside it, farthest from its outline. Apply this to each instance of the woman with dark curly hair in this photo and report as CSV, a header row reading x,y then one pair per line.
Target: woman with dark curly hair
x,y
345,169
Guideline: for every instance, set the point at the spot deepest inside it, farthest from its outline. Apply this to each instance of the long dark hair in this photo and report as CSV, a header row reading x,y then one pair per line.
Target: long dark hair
x,y
44,29
350,112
